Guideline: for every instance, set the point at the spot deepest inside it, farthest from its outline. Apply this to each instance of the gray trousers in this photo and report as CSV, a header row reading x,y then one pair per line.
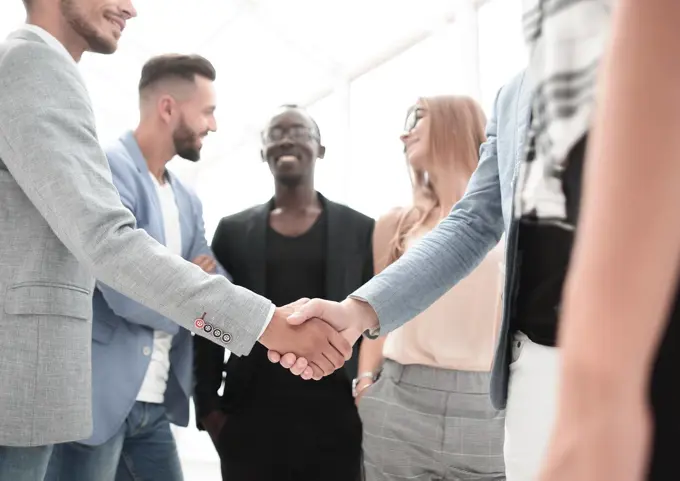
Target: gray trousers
x,y
426,424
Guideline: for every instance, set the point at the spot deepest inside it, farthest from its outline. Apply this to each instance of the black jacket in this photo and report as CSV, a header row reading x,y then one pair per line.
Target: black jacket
x,y
239,246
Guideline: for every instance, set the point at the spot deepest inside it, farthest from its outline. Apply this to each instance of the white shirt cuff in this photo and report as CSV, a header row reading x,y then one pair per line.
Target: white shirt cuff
x,y
270,316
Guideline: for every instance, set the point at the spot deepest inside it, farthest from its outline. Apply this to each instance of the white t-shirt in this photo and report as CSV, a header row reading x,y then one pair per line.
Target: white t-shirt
x,y
156,379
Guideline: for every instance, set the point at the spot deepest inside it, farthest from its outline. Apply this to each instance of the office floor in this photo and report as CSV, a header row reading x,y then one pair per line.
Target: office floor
x,y
197,453
201,470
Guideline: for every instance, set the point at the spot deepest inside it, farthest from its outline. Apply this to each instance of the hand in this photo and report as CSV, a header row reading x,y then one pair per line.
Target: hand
x,y
607,443
315,341
213,423
350,317
207,263
362,386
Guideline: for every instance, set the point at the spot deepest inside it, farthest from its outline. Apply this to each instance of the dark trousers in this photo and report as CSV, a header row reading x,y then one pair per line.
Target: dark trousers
x,y
280,442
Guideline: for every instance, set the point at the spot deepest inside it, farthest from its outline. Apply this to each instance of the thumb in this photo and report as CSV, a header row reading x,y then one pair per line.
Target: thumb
x,y
299,303
303,312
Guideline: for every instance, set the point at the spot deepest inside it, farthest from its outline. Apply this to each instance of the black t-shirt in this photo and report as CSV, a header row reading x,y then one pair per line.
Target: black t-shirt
x,y
296,268
543,258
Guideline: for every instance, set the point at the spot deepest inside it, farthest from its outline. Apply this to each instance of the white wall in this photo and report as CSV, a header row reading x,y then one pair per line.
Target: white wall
x,y
360,123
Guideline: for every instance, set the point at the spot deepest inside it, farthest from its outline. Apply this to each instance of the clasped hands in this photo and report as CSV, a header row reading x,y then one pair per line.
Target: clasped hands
x,y
314,337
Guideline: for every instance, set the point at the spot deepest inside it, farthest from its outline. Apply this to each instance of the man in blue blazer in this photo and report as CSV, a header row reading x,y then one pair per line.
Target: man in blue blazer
x,y
141,361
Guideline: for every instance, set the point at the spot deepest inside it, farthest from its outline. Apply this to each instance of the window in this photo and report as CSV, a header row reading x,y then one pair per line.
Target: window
x,y
502,53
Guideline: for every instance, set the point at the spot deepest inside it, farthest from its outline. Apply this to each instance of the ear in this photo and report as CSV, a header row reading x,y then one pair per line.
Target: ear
x,y
166,108
322,152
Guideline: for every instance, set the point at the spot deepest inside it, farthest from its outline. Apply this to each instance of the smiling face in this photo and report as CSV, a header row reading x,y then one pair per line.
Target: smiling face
x,y
416,137
195,119
99,22
291,147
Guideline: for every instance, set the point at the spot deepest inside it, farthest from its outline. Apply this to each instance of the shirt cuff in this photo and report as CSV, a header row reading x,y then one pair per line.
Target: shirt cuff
x,y
270,316
369,333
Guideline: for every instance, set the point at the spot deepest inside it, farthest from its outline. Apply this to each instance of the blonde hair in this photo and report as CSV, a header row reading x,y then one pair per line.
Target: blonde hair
x,y
456,133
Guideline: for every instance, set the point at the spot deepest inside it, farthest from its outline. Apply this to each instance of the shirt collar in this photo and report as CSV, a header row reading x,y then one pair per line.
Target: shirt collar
x,y
49,39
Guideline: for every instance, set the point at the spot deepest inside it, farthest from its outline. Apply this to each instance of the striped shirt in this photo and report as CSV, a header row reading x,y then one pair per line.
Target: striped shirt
x,y
566,39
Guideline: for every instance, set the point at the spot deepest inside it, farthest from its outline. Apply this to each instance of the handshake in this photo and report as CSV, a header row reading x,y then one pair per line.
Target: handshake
x,y
314,337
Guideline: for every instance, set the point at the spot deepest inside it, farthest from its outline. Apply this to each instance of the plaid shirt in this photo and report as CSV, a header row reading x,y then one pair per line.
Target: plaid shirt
x,y
566,39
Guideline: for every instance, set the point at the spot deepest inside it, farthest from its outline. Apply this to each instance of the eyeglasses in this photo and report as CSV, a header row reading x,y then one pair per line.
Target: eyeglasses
x,y
298,133
413,117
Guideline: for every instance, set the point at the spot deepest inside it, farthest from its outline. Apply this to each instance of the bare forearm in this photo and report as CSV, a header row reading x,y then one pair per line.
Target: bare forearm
x,y
625,260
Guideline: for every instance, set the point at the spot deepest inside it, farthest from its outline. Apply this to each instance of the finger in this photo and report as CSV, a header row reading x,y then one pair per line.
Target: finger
x,y
299,303
313,308
322,362
299,366
335,357
198,259
211,265
341,344
307,374
317,372
288,360
274,356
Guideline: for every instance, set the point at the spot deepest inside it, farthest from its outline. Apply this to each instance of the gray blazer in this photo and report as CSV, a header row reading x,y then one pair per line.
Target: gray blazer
x,y
63,225
462,240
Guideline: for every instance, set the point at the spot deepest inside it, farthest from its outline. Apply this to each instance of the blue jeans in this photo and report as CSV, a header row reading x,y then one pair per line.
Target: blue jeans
x,y
142,450
24,464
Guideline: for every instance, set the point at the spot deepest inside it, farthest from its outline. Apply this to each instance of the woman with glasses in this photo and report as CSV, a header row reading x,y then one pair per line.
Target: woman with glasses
x,y
429,416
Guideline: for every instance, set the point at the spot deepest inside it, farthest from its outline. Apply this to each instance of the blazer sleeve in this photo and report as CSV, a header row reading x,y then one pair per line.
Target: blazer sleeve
x,y
49,144
199,245
448,253
121,305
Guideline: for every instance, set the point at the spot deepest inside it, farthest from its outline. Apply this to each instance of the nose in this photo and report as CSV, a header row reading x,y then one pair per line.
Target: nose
x,y
287,140
404,137
212,124
129,10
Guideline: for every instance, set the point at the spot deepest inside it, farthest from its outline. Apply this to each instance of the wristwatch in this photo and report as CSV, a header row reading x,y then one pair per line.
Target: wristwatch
x,y
364,375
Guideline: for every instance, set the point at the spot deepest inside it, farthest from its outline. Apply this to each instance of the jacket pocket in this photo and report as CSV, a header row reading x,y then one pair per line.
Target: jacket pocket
x,y
49,299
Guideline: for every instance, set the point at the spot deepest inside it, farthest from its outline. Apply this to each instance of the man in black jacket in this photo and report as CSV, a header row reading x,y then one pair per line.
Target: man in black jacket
x,y
297,245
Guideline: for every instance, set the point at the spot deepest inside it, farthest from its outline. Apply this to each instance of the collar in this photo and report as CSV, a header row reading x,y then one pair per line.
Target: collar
x,y
132,146
49,39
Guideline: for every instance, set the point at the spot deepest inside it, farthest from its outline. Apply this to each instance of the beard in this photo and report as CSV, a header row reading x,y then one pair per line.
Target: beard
x,y
77,20
185,141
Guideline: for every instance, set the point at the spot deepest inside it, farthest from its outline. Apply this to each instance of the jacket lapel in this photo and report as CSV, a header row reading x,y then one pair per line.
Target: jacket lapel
x,y
131,145
255,235
337,256
523,116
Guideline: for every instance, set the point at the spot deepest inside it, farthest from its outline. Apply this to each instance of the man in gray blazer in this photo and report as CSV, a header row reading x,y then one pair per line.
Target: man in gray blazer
x,y
63,225
451,251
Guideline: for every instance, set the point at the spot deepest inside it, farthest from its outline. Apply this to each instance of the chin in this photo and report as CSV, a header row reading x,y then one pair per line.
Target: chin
x,y
191,156
103,46
289,180
416,162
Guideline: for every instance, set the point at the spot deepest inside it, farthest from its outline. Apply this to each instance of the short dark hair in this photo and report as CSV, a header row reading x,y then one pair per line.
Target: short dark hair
x,y
185,67
317,131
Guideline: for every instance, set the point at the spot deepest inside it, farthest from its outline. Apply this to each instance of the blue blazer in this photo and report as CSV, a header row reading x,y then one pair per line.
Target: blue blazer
x,y
462,240
122,329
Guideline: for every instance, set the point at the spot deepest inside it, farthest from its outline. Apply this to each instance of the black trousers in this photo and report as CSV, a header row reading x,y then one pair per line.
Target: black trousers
x,y
280,442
